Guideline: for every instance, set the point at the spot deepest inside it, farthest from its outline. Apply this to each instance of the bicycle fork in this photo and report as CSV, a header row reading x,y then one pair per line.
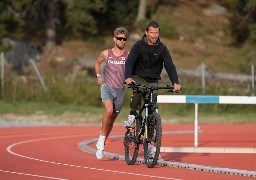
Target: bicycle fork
x,y
152,107
146,121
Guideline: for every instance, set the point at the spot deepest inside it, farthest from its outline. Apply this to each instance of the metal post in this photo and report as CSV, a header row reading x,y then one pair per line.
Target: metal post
x,y
253,80
2,74
203,77
196,126
38,74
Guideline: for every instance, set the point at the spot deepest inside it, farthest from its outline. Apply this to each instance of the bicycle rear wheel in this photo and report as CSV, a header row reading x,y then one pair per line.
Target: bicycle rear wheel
x,y
131,143
153,143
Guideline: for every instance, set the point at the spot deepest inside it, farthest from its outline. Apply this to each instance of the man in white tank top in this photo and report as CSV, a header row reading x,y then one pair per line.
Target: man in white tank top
x,y
112,85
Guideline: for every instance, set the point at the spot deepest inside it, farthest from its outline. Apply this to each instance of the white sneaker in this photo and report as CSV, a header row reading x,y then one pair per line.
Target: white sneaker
x,y
129,122
100,146
151,152
160,158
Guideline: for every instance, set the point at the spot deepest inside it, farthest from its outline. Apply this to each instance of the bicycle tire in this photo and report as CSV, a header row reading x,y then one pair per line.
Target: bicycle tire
x,y
155,136
131,143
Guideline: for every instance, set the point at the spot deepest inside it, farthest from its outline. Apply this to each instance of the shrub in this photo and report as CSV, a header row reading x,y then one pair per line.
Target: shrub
x,y
252,35
168,29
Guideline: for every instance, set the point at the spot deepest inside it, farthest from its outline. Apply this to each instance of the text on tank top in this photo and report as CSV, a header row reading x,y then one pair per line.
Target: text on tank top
x,y
114,69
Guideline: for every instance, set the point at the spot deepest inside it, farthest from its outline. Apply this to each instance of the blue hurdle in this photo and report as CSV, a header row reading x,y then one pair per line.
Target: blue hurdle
x,y
193,99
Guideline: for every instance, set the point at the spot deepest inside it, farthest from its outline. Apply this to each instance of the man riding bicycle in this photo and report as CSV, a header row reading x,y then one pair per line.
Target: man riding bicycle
x,y
145,63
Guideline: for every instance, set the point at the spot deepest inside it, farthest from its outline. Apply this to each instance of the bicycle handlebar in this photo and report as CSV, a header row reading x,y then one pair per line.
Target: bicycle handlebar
x,y
139,86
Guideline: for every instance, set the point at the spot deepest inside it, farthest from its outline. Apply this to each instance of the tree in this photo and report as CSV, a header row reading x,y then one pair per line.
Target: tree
x,y
45,11
81,15
11,23
45,20
18,15
51,18
98,17
251,10
141,11
243,20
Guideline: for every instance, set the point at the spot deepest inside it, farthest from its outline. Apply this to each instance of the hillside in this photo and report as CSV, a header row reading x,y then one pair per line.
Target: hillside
x,y
204,37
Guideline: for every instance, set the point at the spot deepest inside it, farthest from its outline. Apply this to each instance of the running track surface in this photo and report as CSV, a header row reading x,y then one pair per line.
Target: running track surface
x,y
53,153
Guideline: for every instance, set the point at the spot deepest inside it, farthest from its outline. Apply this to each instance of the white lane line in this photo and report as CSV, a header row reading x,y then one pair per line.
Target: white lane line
x,y
223,150
23,135
33,175
9,149
37,134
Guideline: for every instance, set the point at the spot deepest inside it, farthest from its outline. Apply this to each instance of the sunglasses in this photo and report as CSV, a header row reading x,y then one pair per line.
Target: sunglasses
x,y
121,38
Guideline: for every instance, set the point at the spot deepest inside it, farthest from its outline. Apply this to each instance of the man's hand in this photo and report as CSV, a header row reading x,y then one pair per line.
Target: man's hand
x,y
129,81
100,80
176,87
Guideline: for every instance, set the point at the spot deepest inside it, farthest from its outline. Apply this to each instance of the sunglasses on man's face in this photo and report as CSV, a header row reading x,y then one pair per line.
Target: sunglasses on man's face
x,y
121,38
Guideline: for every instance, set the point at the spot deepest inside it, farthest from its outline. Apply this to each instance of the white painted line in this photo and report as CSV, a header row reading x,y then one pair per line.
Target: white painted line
x,y
36,134
9,149
209,150
33,175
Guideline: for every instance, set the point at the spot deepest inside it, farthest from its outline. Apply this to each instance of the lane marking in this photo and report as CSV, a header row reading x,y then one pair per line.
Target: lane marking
x,y
239,150
24,135
117,156
33,175
36,134
85,147
9,149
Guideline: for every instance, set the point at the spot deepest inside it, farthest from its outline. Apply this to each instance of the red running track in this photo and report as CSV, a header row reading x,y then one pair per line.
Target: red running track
x,y
53,153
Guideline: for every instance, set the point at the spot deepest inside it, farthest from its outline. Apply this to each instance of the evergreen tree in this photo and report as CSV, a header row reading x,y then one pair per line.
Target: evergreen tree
x,y
45,20
243,20
12,23
92,17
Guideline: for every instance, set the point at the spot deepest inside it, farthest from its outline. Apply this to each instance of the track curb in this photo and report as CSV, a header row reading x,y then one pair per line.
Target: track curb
x,y
84,146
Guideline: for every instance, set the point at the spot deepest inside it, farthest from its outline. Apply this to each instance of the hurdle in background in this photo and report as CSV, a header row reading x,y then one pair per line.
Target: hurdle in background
x,y
192,99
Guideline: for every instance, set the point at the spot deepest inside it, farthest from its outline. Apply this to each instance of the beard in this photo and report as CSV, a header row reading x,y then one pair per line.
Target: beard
x,y
120,46
152,41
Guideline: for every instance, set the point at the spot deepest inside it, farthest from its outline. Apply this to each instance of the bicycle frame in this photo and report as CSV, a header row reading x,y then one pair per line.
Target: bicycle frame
x,y
147,130
148,104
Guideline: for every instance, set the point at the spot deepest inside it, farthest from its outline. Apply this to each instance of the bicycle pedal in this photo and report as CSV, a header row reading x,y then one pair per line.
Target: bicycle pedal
x,y
139,141
129,128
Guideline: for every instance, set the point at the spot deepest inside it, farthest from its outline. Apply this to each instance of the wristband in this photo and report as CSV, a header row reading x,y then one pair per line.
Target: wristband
x,y
98,75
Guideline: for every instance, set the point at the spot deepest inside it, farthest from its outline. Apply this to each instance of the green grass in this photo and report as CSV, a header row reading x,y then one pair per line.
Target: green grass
x,y
82,114
27,108
208,113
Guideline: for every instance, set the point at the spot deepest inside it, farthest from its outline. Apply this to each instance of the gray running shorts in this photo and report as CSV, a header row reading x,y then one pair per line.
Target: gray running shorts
x,y
116,95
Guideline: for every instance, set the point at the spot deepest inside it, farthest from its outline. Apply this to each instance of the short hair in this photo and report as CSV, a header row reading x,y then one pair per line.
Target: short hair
x,y
153,24
120,30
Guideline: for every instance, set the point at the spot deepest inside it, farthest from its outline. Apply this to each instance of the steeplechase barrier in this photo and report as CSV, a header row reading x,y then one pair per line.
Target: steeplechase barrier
x,y
197,99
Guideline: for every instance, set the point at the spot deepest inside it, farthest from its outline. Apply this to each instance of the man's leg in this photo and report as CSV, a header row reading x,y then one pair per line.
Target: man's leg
x,y
135,101
117,106
110,124
137,95
104,128
107,117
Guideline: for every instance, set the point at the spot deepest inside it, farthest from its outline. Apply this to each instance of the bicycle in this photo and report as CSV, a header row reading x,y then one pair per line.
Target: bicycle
x,y
147,130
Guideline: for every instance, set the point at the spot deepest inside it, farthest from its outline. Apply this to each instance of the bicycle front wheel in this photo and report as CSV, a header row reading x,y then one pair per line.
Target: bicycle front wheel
x,y
153,143
131,143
